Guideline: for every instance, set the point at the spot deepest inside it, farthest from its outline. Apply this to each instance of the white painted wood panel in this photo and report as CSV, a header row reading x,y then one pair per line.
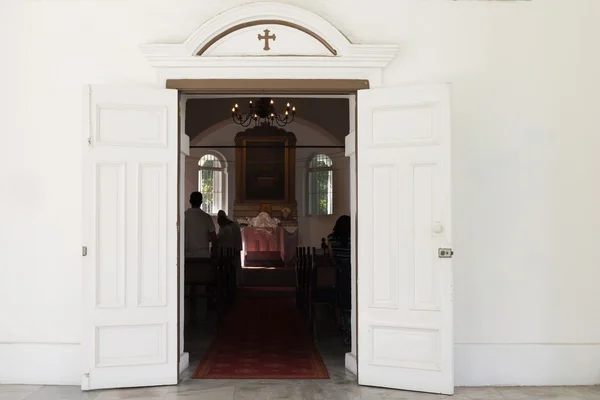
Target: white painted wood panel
x,y
404,289
130,231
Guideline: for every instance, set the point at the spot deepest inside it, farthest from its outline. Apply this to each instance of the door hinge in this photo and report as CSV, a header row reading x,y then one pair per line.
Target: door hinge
x,y
89,141
84,251
445,253
86,375
177,226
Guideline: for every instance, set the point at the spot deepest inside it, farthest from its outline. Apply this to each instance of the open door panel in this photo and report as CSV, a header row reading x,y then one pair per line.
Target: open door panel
x,y
130,189
405,338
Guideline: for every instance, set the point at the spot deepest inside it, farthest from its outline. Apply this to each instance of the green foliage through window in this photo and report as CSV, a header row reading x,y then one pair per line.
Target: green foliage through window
x,y
320,182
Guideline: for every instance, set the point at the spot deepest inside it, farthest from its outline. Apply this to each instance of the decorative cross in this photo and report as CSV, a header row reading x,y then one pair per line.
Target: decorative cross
x,y
266,37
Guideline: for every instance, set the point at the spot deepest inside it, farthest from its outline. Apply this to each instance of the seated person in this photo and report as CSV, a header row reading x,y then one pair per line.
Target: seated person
x,y
199,230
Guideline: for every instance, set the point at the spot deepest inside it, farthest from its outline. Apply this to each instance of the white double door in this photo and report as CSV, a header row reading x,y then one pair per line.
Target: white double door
x,y
130,332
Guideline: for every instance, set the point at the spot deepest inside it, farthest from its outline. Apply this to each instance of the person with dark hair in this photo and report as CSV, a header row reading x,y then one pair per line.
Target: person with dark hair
x,y
225,235
199,230
339,239
232,233
235,229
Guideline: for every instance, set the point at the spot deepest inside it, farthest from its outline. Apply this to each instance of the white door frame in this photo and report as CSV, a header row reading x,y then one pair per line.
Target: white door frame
x,y
350,152
343,60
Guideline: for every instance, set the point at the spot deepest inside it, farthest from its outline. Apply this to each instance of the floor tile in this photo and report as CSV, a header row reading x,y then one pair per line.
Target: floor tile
x,y
202,384
370,393
223,393
62,393
256,391
17,392
533,392
479,393
584,392
153,393
514,393
332,391
340,387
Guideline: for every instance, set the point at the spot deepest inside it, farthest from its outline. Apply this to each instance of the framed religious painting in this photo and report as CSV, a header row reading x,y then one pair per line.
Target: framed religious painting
x,y
265,165
265,171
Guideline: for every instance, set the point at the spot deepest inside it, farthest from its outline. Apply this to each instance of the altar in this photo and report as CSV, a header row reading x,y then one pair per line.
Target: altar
x,y
269,247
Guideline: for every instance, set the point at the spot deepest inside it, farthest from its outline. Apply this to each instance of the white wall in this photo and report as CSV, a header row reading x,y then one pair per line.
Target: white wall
x,y
525,166
311,228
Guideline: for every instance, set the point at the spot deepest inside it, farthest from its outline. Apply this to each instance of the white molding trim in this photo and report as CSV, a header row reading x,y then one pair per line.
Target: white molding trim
x,y
184,362
185,139
185,145
350,143
352,61
526,364
41,363
351,363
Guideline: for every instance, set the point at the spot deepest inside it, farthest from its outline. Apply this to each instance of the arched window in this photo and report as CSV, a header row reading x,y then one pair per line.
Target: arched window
x,y
211,183
320,185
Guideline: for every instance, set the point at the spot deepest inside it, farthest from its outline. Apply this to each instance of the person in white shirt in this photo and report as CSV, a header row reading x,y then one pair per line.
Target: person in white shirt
x,y
233,234
199,230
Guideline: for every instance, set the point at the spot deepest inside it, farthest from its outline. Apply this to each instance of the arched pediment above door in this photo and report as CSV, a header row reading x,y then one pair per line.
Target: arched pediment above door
x,y
297,38
267,37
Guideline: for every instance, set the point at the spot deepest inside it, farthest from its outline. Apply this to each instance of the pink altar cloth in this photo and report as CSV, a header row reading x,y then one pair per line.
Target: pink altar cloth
x,y
282,240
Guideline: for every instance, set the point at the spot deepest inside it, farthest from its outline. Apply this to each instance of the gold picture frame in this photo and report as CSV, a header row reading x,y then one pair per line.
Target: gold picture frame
x,y
266,208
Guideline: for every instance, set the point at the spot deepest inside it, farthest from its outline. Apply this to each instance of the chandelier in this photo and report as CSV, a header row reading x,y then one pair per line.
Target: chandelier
x,y
262,112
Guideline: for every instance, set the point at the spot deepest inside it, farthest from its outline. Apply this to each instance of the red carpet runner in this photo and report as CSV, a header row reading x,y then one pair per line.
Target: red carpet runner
x,y
262,338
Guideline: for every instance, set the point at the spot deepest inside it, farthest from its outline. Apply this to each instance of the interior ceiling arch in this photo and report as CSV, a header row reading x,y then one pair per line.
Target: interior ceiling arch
x,y
332,115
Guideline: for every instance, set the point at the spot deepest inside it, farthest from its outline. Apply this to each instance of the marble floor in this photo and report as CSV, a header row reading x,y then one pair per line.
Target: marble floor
x,y
341,386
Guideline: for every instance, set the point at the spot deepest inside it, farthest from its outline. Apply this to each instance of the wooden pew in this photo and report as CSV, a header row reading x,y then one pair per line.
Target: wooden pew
x,y
344,299
200,283
319,281
322,285
226,278
212,279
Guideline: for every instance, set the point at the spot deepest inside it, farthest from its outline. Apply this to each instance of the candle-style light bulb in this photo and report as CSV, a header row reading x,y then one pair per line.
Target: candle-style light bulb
x,y
288,104
286,113
294,110
236,106
233,110
250,102
272,102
